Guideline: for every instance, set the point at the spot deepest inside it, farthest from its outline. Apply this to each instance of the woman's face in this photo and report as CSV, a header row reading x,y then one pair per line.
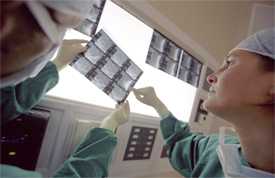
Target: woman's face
x,y
240,83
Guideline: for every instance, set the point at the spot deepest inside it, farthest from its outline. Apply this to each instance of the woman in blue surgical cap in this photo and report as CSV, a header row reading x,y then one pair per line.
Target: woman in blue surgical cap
x,y
242,93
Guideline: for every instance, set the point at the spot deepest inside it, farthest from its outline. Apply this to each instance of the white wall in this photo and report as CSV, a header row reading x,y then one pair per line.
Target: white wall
x,y
63,127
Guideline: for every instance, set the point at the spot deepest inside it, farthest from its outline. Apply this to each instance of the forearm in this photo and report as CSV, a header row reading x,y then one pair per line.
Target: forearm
x,y
58,62
117,117
109,124
92,157
182,145
161,109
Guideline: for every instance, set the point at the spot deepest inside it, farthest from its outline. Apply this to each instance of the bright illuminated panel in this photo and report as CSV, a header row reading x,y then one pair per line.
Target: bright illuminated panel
x,y
134,38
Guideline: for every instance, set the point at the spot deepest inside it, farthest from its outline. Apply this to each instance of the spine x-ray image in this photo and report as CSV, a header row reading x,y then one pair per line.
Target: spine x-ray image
x,y
108,67
167,56
89,25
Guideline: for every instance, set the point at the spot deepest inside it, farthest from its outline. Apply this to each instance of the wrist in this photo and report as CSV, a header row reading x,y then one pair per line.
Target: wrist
x,y
161,109
109,124
163,112
57,63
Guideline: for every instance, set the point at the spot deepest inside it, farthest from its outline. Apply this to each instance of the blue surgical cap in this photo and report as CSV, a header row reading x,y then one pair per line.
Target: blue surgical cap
x,y
262,43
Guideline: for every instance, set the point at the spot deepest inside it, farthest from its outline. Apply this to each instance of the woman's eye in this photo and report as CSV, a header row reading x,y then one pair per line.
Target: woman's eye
x,y
227,63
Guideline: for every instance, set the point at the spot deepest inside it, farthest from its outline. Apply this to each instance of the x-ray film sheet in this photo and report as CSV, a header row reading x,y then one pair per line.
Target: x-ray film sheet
x,y
188,76
167,56
108,67
103,42
89,25
160,61
173,51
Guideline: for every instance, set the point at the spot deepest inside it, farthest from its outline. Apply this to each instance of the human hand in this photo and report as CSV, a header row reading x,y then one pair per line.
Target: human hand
x,y
146,95
68,51
117,117
66,20
121,114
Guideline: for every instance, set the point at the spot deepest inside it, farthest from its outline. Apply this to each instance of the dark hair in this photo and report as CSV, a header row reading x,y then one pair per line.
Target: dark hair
x,y
268,64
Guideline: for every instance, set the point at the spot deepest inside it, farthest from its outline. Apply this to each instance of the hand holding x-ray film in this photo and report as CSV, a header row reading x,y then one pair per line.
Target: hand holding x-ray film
x,y
68,51
148,96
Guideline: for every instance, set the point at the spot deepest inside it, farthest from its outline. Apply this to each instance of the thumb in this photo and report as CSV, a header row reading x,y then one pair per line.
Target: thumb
x,y
141,99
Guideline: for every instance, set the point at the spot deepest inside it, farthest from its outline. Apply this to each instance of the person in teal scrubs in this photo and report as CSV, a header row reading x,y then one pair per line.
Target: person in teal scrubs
x,y
27,74
30,36
20,98
243,93
92,157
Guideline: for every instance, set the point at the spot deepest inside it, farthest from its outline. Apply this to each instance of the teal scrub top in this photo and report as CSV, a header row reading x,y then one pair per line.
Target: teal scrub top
x,y
191,154
18,99
91,158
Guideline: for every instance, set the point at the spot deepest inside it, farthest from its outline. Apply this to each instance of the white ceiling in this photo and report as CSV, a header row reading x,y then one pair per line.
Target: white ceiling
x,y
207,29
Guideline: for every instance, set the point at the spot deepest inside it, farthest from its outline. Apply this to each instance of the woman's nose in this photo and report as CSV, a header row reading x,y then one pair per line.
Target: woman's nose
x,y
211,79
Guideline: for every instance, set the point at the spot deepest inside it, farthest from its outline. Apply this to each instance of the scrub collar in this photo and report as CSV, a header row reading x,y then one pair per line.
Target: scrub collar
x,y
231,161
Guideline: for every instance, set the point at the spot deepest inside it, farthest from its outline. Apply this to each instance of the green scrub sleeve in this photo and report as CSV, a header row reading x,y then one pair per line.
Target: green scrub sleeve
x,y
92,157
184,147
192,154
7,171
19,99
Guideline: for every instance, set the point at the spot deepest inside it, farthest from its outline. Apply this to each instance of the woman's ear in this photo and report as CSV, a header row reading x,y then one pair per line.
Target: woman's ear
x,y
272,94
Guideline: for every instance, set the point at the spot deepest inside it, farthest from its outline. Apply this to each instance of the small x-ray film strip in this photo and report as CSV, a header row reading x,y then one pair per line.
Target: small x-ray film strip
x,y
140,143
89,25
167,56
108,67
